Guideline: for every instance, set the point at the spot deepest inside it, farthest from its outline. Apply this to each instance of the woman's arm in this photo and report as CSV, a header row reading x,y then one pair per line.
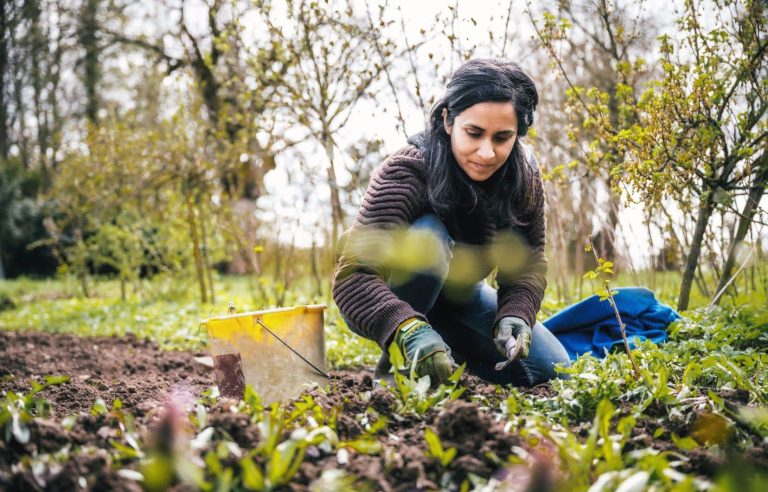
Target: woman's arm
x,y
520,293
394,198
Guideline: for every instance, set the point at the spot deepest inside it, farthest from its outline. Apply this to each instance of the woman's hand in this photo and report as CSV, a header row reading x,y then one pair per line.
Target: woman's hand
x,y
513,338
418,341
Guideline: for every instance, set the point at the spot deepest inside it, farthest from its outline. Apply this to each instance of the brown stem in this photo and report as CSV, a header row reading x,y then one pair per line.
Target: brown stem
x,y
192,223
692,260
616,312
206,257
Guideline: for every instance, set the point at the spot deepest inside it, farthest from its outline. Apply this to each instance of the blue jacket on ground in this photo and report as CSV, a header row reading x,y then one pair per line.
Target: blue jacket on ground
x,y
591,326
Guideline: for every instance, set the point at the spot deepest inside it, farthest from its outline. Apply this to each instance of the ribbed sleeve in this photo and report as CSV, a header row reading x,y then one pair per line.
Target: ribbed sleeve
x,y
521,295
395,197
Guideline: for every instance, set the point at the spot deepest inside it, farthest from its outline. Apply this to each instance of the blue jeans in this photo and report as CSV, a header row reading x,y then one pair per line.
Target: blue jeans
x,y
467,325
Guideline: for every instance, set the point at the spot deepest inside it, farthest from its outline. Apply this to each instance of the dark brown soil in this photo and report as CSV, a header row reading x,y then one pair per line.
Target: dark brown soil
x,y
133,370
154,386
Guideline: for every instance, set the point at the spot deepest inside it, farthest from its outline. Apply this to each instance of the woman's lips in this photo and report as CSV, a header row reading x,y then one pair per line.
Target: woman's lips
x,y
481,167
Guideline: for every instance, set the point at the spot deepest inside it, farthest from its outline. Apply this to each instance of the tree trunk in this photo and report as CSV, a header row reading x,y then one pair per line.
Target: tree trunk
x,y
87,36
2,270
315,272
196,249
692,261
206,256
82,259
4,35
580,255
20,110
756,192
337,214
653,263
38,42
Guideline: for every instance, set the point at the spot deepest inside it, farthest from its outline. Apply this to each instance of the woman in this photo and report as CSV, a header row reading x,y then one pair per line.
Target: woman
x,y
469,184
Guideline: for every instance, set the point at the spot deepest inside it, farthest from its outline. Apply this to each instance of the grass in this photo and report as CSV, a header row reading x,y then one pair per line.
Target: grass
x,y
172,319
168,311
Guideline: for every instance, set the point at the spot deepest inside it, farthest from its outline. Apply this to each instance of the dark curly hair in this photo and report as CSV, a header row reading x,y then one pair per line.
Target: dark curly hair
x,y
507,196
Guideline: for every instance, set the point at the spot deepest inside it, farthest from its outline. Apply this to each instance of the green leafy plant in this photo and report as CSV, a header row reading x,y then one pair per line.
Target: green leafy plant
x,y
17,410
435,448
414,394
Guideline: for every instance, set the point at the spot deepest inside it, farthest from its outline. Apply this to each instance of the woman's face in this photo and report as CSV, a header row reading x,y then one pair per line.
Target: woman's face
x,y
482,137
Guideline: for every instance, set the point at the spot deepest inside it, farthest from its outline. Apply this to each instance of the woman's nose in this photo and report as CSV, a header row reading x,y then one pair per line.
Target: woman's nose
x,y
486,150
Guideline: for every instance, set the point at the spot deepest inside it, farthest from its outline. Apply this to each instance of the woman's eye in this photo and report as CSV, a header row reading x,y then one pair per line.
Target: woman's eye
x,y
474,135
502,139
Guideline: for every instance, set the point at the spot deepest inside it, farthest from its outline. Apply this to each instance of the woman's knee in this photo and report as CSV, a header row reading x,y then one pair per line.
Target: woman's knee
x,y
419,278
546,354
438,243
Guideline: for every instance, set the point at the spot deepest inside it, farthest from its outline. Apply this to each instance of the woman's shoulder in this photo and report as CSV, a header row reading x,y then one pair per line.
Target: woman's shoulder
x,y
408,160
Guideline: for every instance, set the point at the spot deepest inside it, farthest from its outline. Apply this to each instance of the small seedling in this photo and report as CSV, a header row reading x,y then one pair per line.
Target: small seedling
x,y
606,268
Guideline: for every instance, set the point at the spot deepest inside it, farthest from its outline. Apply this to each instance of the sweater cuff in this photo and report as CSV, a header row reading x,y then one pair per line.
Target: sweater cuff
x,y
389,318
522,311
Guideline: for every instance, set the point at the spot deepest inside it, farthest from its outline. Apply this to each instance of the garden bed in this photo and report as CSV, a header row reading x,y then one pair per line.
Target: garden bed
x,y
126,404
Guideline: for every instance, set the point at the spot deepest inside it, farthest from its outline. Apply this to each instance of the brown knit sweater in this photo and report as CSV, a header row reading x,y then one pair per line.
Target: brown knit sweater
x,y
396,196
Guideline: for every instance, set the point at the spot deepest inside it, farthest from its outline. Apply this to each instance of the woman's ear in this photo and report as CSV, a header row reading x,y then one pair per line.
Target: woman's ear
x,y
445,121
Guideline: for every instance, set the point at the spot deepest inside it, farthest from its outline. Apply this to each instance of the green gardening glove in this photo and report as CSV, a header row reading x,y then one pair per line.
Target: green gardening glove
x,y
513,338
418,341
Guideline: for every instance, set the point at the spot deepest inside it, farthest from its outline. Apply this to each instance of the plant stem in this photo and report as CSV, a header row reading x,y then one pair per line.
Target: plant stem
x,y
616,312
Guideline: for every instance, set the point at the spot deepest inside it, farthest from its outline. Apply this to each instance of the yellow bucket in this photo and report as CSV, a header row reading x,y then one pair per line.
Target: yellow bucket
x,y
279,351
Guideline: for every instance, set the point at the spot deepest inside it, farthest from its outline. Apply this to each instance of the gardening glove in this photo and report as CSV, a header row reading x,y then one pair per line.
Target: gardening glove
x,y
418,341
512,339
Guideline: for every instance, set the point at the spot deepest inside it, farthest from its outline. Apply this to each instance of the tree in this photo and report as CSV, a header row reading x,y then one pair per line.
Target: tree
x,y
696,135
596,48
702,130
330,68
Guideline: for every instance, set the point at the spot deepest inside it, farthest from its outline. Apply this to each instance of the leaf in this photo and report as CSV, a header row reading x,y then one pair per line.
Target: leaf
x,y
131,474
635,483
99,407
131,440
717,399
253,478
69,421
434,446
364,446
20,430
684,443
395,357
281,460
202,439
456,376
422,387
54,380
202,415
125,452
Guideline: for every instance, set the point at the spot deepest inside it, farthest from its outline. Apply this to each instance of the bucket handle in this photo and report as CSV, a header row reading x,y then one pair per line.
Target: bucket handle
x,y
319,371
